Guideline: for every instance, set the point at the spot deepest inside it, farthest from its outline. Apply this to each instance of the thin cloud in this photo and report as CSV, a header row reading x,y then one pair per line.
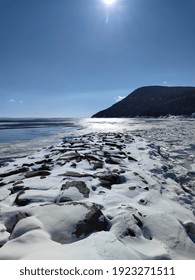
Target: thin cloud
x,y
11,100
119,98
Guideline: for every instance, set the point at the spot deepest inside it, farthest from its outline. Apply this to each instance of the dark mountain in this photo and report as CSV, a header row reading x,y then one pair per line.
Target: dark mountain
x,y
153,101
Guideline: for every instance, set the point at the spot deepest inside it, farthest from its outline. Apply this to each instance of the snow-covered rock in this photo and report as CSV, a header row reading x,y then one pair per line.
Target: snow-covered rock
x,y
113,195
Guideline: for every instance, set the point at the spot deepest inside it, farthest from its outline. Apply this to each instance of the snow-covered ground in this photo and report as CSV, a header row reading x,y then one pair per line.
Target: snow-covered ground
x,y
114,191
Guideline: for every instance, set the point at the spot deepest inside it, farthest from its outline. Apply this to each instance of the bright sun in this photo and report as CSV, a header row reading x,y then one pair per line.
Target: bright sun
x,y
109,2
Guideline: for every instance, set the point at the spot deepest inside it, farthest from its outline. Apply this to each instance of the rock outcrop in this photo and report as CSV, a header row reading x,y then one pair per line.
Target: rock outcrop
x,y
153,101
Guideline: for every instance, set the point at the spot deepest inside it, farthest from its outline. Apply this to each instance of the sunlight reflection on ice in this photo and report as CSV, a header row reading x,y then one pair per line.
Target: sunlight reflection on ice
x,y
122,124
110,125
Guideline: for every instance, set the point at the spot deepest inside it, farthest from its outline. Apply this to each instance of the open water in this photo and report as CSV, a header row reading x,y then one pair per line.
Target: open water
x,y
20,137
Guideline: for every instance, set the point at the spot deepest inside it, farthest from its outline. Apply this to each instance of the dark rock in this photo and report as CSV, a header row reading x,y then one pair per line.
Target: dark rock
x,y
110,217
138,221
37,173
97,164
171,175
131,158
65,199
18,188
153,101
93,221
92,157
44,167
78,159
27,164
73,165
190,227
142,178
122,179
112,160
108,179
14,172
75,174
142,201
13,220
144,181
47,157
20,182
119,171
129,232
187,189
21,201
44,161
2,184
165,168
191,174
80,185
190,230
156,170
132,188
118,146
121,155
101,192
72,156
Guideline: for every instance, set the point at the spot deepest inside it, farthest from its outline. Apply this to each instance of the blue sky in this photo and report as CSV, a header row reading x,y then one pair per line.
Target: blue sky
x,y
72,58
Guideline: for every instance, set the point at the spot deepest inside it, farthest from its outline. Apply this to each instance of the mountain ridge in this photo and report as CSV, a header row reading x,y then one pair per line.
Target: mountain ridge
x,y
153,101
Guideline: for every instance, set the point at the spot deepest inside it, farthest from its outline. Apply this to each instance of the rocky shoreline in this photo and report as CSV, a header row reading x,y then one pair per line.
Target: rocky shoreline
x,y
97,196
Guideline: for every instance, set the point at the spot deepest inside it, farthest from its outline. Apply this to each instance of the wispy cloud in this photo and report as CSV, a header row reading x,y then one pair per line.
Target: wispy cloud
x,y
119,98
11,100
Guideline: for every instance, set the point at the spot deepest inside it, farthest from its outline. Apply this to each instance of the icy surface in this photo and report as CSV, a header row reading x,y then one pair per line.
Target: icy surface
x,y
115,191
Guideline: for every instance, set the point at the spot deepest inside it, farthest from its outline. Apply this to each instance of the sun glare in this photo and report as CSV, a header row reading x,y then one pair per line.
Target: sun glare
x,y
109,2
